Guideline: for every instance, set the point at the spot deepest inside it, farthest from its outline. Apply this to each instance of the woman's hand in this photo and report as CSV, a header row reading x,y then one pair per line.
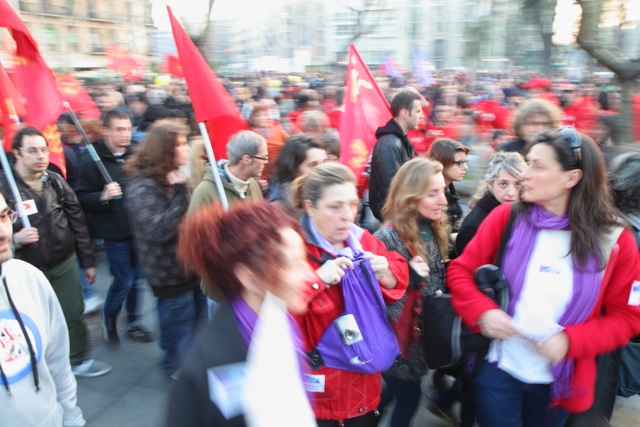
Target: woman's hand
x,y
420,266
496,324
332,271
554,348
380,267
176,177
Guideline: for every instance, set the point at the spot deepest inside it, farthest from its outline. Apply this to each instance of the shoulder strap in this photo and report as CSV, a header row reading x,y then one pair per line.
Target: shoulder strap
x,y
506,235
58,187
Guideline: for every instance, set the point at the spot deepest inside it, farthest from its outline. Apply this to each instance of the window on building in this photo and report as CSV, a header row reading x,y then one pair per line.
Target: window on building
x,y
49,38
97,45
439,48
72,39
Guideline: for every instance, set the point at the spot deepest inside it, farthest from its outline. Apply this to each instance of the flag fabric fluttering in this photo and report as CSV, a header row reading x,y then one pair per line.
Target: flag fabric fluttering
x,y
173,66
365,109
11,108
35,81
79,100
211,102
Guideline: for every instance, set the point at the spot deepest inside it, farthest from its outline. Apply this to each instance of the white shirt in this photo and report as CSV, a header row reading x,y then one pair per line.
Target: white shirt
x,y
546,293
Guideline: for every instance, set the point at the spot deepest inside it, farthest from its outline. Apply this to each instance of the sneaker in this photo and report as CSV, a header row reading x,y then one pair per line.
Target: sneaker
x,y
110,335
91,368
138,333
92,304
447,415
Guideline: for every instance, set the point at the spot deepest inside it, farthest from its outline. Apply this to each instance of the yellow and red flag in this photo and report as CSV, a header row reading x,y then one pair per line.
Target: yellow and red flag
x,y
79,100
212,104
36,83
365,109
11,108
173,66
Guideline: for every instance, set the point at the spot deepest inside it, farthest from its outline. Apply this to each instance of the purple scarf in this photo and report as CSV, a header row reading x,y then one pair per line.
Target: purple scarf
x,y
247,318
586,284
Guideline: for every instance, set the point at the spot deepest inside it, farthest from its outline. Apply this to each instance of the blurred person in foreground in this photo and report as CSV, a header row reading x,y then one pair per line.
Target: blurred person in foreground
x,y
328,197
39,387
156,200
246,253
416,226
573,276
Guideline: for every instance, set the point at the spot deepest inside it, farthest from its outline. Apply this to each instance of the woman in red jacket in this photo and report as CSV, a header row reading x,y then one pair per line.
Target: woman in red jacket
x,y
330,202
574,288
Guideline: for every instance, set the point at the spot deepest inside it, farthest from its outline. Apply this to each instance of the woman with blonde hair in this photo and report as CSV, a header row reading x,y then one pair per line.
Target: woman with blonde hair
x,y
417,228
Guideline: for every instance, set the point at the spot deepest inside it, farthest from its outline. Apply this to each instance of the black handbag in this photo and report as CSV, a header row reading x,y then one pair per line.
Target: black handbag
x,y
447,340
629,376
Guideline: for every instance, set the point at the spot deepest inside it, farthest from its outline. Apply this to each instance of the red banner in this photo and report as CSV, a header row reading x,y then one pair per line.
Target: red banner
x,y
81,103
212,103
365,109
11,108
36,83
173,66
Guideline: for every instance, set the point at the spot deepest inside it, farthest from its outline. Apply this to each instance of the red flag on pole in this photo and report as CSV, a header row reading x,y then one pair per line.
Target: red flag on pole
x,y
211,102
34,80
173,66
11,108
81,103
365,109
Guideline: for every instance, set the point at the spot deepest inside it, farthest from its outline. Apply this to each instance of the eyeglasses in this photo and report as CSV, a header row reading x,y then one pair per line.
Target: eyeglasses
x,y
264,159
461,163
34,150
574,139
9,215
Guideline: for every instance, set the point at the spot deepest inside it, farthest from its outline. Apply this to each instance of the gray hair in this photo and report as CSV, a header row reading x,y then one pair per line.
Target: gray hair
x,y
243,143
512,163
625,186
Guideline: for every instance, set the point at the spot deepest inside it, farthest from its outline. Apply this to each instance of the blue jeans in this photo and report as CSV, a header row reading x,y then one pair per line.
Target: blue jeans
x,y
123,265
87,290
503,401
178,318
407,396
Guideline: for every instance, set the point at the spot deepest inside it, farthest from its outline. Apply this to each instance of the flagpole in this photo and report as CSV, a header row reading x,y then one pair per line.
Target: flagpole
x,y
8,172
214,166
92,151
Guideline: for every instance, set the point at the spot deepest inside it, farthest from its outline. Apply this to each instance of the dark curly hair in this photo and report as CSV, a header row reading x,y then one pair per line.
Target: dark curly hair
x,y
624,182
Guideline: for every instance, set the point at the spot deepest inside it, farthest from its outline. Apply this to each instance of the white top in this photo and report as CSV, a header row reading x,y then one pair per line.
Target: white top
x,y
546,293
55,404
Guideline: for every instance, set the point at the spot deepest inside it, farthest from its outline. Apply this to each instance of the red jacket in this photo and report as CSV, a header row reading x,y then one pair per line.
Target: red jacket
x,y
601,333
346,394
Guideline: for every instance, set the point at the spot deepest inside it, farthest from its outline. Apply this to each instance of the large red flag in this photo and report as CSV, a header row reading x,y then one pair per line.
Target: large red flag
x,y
173,66
211,102
79,100
11,108
365,109
35,81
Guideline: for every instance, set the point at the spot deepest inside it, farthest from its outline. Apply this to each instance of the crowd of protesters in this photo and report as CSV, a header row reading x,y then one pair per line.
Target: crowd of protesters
x,y
296,229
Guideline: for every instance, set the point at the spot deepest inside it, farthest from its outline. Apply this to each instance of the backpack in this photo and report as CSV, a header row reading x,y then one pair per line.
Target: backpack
x,y
360,339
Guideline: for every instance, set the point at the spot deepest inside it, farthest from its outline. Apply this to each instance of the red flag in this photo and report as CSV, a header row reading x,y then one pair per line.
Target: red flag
x,y
211,102
35,81
365,109
11,108
79,100
173,66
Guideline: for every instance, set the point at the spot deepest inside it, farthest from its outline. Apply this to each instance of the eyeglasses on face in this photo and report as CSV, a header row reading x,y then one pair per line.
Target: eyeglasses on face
x,y
9,215
461,163
35,150
264,159
574,139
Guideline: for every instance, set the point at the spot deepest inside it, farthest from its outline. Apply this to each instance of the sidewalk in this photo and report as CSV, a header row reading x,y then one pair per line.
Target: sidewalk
x,y
136,391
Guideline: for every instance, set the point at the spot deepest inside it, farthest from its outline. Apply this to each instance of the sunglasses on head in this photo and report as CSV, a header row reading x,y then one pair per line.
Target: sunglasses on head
x,y
574,139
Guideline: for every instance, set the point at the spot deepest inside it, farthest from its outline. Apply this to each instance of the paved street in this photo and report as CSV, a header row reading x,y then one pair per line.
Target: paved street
x,y
135,392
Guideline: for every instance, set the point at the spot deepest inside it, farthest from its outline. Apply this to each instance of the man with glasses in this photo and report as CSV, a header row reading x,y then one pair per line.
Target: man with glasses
x,y
248,156
56,233
39,388
107,219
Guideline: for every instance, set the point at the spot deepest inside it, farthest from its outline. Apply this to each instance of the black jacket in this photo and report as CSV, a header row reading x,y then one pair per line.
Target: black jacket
x,y
106,220
392,150
155,213
454,210
517,145
60,222
189,404
473,220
